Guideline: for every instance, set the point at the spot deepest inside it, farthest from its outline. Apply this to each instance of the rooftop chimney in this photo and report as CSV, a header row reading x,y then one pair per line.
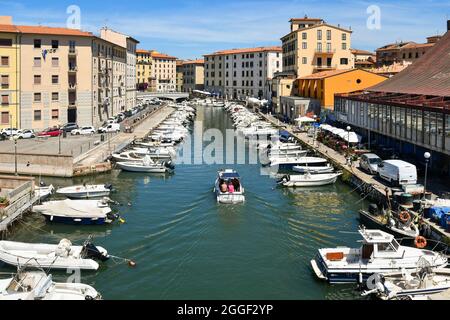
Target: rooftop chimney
x,y
6,20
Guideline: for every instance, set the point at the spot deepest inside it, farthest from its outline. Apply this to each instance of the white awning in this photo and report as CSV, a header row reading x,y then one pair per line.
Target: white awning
x,y
305,120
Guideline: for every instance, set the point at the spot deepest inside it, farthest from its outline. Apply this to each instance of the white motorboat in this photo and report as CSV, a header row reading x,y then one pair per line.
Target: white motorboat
x,y
147,165
44,192
418,285
84,212
60,256
128,156
287,162
37,285
314,165
228,187
85,191
309,180
380,253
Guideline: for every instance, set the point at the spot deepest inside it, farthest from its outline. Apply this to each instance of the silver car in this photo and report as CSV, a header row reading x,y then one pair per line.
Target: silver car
x,y
369,162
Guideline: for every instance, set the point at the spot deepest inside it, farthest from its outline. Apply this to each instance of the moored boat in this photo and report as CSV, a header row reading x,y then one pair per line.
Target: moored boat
x,y
147,165
85,191
309,180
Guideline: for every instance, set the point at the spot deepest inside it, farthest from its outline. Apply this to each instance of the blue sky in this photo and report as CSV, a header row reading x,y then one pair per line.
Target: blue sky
x,y
188,29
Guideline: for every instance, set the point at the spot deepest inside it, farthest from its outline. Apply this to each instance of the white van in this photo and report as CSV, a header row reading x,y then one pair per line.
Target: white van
x,y
112,127
398,172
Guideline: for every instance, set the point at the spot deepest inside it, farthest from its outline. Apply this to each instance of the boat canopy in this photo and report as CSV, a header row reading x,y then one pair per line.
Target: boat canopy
x,y
230,175
376,236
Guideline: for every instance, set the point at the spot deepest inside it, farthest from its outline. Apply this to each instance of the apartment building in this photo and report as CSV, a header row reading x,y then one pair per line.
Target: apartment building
x,y
402,52
193,75
9,74
314,46
165,70
179,81
55,77
242,73
146,79
130,44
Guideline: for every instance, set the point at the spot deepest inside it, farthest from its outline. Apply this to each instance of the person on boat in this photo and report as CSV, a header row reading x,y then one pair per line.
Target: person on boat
x,y
223,187
236,184
231,188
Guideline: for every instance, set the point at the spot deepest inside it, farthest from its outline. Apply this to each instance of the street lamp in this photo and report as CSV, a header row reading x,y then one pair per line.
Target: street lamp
x,y
348,137
292,115
427,157
315,126
15,156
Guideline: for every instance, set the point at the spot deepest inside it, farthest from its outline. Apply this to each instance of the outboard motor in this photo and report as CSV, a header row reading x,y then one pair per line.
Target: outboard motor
x,y
169,165
283,180
109,186
90,251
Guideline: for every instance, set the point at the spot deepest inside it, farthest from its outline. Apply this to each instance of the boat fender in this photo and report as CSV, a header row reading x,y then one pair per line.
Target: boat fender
x,y
404,217
420,242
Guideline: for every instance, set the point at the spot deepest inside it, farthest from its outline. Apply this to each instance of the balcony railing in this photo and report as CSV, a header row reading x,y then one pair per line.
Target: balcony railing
x,y
73,68
73,51
72,86
325,51
72,104
325,66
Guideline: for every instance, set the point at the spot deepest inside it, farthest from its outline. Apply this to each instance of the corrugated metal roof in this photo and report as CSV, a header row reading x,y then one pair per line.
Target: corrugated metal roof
x,y
429,75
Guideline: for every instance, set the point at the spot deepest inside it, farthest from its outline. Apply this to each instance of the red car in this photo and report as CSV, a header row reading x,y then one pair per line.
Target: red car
x,y
50,132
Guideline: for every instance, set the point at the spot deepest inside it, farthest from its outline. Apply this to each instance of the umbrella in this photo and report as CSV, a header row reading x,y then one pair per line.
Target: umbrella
x,y
351,137
305,119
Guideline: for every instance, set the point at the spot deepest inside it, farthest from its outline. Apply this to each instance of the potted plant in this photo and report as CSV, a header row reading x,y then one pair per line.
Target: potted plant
x,y
4,202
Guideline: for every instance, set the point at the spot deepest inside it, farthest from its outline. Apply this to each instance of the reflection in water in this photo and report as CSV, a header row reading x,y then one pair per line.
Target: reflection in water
x,y
188,247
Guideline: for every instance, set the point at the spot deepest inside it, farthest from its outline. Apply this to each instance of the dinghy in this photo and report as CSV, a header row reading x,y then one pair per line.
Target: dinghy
x,y
85,191
380,253
61,256
147,165
37,285
309,180
418,285
44,192
83,212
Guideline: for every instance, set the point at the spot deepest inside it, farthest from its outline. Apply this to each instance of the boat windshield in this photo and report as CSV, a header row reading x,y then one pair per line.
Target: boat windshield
x,y
395,245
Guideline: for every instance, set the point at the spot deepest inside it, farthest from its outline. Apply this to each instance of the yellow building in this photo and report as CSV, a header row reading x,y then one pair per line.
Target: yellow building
x,y
9,74
324,85
146,79
314,46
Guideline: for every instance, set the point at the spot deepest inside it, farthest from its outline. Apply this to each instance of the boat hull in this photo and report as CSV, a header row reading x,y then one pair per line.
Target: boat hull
x,y
312,183
85,195
371,223
75,220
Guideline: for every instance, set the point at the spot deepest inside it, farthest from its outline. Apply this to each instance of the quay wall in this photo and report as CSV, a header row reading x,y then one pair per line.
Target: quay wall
x,y
39,164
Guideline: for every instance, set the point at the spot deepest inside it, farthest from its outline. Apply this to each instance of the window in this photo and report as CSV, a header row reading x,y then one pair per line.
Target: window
x,y
5,99
344,46
55,114
304,36
55,96
305,60
319,34
5,117
5,62
328,35
344,61
37,43
55,79
37,115
55,62
55,44
37,97
304,45
37,79
37,62
344,37
5,42
5,82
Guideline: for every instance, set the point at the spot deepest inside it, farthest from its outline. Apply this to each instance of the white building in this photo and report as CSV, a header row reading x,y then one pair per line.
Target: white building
x,y
242,73
165,72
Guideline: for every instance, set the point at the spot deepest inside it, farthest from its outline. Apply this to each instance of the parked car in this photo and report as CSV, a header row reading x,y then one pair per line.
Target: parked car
x,y
369,162
83,131
50,132
69,127
112,127
25,134
7,132
398,172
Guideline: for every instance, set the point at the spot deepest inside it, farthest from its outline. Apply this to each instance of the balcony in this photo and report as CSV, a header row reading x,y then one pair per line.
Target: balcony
x,y
73,51
72,104
325,51
325,67
73,69
72,86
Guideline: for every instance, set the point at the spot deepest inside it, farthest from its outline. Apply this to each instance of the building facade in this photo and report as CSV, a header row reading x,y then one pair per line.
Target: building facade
x,y
193,75
130,44
145,76
165,71
180,76
9,75
242,73
313,46
404,52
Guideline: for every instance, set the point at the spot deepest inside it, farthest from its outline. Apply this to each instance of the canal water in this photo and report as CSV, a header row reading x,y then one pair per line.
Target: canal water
x,y
186,246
